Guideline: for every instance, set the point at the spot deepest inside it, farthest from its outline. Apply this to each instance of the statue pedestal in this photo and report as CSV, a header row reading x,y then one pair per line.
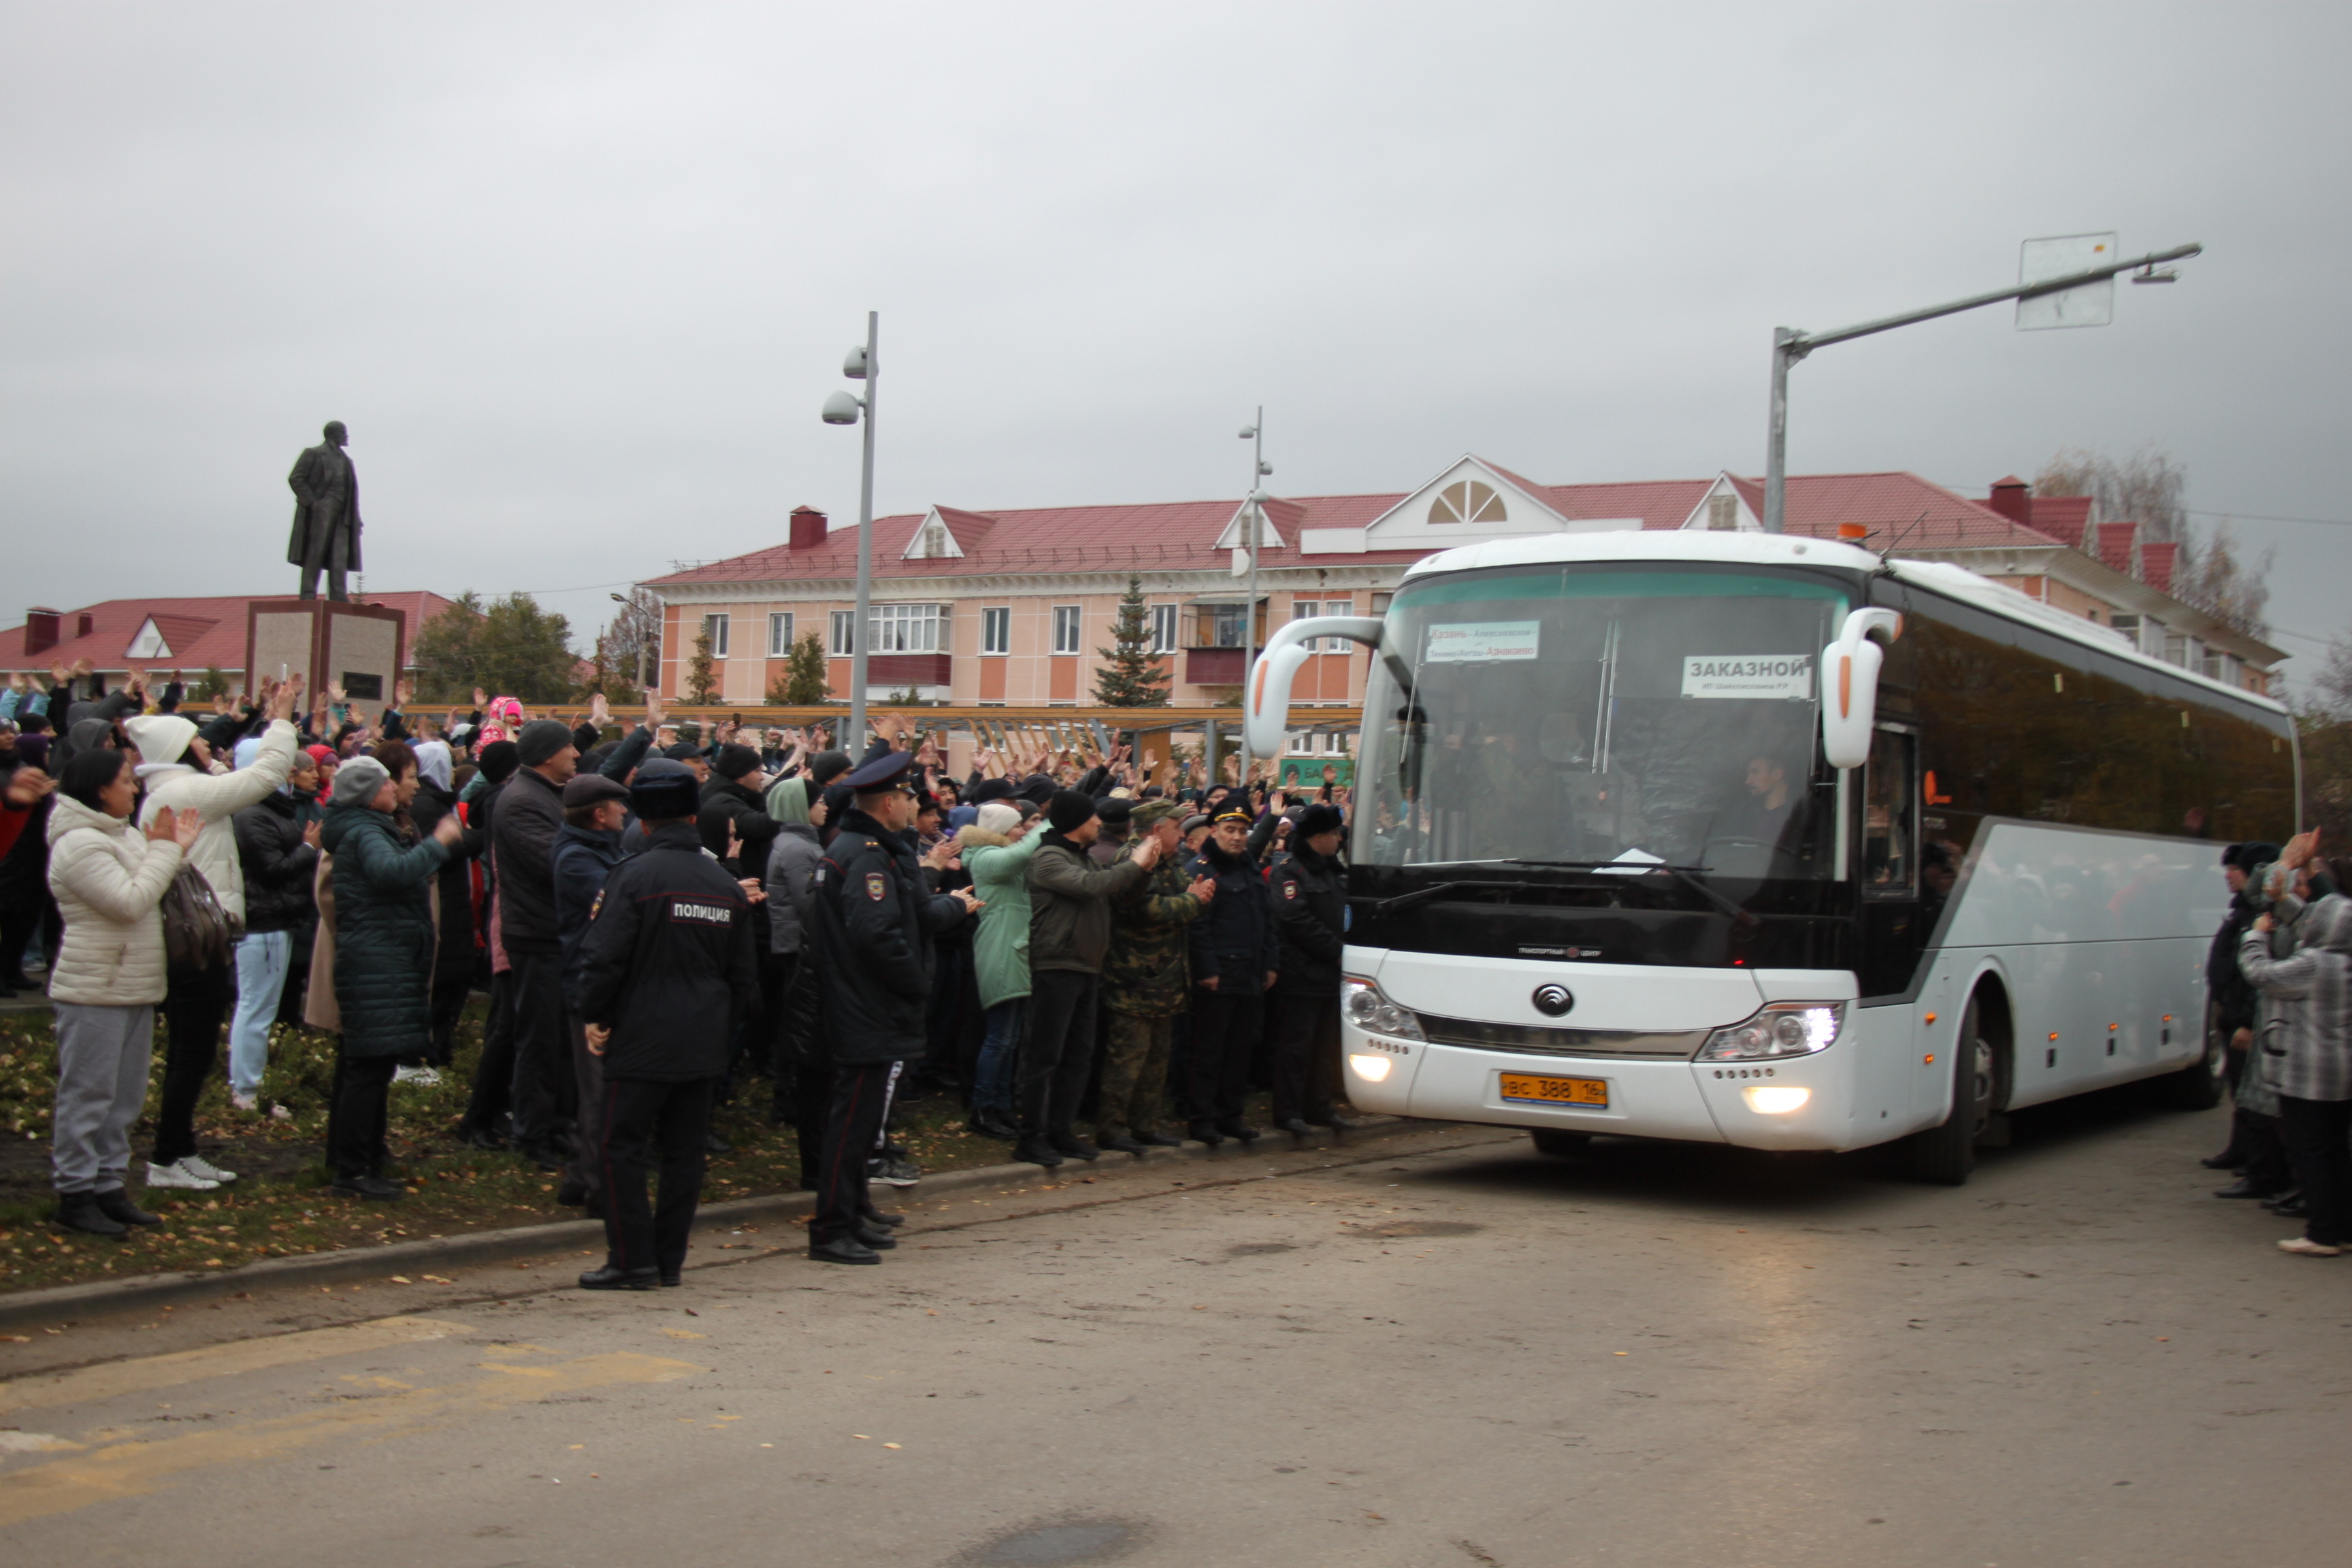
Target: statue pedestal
x,y
327,642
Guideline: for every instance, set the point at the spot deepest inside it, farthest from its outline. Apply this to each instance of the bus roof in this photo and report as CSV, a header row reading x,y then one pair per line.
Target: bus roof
x,y
1752,549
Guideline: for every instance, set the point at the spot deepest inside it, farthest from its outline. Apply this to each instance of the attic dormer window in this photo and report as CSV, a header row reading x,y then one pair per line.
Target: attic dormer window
x,y
1723,514
934,539
1468,501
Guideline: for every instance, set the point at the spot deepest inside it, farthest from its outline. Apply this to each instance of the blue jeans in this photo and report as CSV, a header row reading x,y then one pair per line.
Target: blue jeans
x,y
998,1049
262,959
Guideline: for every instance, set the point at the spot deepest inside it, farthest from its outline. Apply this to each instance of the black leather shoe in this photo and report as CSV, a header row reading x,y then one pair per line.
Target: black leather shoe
x,y
1339,1121
1235,1127
611,1279
1076,1147
2288,1205
2227,1160
1205,1132
2242,1188
572,1192
1127,1145
846,1249
1159,1140
1296,1126
549,1161
373,1187
1037,1151
714,1144
989,1124
880,1219
79,1212
879,1240
116,1205
483,1138
670,1276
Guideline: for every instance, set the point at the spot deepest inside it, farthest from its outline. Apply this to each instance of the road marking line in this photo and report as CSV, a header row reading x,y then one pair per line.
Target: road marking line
x,y
132,1468
115,1379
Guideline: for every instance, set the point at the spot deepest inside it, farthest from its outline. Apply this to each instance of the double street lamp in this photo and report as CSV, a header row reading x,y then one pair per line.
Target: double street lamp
x,y
844,409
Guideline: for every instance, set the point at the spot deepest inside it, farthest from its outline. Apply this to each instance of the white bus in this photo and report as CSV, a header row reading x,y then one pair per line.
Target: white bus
x,y
1618,866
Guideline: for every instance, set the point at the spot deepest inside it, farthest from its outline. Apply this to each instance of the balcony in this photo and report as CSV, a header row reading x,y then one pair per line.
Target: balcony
x,y
905,669
1213,665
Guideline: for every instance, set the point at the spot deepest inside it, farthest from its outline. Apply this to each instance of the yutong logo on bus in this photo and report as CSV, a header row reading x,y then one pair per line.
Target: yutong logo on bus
x,y
1552,1001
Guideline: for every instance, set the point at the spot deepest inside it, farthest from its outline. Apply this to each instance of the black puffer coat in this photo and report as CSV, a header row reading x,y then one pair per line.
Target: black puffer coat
x,y
279,866
869,941
1311,909
384,933
456,954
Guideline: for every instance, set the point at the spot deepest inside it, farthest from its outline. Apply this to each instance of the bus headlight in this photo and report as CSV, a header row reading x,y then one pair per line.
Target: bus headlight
x,y
1374,1013
1781,1029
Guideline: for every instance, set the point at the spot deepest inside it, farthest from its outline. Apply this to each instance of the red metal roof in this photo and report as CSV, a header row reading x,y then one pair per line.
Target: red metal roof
x,y
2156,564
2116,546
200,632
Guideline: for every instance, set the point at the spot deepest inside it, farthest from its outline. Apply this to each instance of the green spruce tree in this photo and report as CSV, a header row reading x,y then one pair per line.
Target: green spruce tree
x,y
802,683
702,679
1131,675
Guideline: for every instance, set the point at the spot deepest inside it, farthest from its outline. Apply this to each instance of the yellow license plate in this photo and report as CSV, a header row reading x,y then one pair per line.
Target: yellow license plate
x,y
1591,1091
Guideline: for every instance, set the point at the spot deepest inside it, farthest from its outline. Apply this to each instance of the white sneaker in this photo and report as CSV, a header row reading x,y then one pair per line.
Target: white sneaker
x,y
197,1165
177,1175
243,1101
425,1076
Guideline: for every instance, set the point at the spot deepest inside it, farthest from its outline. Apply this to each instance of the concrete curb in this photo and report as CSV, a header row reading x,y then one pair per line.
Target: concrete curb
x,y
98,1298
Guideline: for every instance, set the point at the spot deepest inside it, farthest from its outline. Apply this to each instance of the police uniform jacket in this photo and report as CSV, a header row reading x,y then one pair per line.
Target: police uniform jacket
x,y
870,922
667,963
1234,938
1310,909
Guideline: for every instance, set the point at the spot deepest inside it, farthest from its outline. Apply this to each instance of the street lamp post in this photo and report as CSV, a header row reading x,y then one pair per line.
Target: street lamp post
x,y
1254,503
842,409
1789,345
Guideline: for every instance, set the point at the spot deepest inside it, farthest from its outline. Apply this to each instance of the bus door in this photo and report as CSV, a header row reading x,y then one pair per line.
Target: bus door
x,y
1887,872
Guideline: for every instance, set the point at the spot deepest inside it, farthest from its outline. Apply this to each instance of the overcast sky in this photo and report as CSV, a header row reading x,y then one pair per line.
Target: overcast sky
x,y
578,277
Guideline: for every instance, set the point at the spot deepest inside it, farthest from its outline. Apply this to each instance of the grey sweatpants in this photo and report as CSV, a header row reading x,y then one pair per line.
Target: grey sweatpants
x,y
102,1056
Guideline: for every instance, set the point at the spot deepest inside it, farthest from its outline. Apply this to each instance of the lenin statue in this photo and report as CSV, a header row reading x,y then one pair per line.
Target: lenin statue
x,y
326,514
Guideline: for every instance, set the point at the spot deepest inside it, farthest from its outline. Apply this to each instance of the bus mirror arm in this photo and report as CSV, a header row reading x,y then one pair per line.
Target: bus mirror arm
x,y
1850,684
1266,705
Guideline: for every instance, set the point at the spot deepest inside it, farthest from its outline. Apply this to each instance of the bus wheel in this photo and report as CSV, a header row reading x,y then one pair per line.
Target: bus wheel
x,y
2197,1086
1947,1153
1567,1146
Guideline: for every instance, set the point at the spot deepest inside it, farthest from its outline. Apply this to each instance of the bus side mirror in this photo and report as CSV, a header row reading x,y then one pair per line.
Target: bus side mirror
x,y
1850,684
1265,700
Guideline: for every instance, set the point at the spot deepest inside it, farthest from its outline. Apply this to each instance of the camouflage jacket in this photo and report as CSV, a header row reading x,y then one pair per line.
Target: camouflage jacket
x,y
1146,970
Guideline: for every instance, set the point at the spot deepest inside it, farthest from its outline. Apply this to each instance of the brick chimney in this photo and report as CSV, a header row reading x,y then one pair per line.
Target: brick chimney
x,y
808,528
40,632
2012,498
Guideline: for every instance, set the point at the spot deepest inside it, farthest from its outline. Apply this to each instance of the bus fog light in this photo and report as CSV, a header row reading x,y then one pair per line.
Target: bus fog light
x,y
1775,1098
1375,1069
1780,1029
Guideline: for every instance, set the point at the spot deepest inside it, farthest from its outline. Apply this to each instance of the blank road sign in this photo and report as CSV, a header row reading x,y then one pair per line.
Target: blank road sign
x,y
2086,305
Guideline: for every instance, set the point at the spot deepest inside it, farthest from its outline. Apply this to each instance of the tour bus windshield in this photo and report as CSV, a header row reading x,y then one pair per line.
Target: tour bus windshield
x,y
1595,712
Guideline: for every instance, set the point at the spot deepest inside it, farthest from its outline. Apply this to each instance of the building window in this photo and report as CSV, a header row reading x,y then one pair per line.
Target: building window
x,y
1723,514
2176,648
996,631
906,628
715,628
841,645
931,541
780,633
2126,625
1467,500
1164,628
1065,629
1381,603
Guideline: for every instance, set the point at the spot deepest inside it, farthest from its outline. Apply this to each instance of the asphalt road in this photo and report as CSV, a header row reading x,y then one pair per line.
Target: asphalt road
x,y
1452,1353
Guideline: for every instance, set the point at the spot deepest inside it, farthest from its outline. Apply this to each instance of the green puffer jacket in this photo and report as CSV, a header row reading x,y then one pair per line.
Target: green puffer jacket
x,y
1000,876
1145,971
384,931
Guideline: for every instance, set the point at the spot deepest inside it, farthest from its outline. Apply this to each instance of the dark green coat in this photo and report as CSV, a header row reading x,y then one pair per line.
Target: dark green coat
x,y
1145,971
384,931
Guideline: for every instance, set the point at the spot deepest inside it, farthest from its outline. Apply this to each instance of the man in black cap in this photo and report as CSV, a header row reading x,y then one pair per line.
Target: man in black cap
x,y
596,810
1235,957
870,928
667,968
1069,932
522,841
1311,907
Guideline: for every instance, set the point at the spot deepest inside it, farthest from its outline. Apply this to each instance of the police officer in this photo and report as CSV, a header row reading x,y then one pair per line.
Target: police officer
x,y
1235,959
666,971
1310,913
871,920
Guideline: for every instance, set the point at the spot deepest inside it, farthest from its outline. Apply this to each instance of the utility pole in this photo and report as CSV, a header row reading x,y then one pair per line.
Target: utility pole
x,y
1790,345
1255,504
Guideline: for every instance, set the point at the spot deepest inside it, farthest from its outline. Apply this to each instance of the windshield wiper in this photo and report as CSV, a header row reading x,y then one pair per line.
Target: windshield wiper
x,y
1688,876
1435,891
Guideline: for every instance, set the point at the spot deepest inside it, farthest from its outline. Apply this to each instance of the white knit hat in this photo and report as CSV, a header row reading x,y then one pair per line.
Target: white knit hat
x,y
160,738
997,817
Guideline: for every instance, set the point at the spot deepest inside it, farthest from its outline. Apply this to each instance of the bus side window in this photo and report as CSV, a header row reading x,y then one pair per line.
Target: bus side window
x,y
1890,816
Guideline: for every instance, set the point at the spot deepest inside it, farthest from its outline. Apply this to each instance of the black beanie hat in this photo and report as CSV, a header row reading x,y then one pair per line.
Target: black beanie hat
x,y
827,766
735,760
1318,818
1070,811
499,759
987,790
542,739
1038,791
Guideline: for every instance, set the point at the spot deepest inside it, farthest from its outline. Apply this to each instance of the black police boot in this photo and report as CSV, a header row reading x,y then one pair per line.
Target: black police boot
x,y
1036,1151
872,1218
1127,1145
375,1188
1296,1126
483,1138
1076,1147
1235,1127
79,1210
990,1124
879,1240
672,1276
846,1249
2242,1188
116,1205
1155,1139
1205,1132
611,1279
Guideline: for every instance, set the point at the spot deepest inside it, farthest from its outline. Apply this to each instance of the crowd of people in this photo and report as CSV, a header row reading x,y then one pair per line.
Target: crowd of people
x,y
662,915
2279,982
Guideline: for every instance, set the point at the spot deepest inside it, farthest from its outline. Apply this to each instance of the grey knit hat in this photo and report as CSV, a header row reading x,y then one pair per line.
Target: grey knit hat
x,y
357,781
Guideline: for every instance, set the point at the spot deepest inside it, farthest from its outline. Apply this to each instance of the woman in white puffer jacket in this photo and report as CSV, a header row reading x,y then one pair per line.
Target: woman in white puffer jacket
x,y
108,878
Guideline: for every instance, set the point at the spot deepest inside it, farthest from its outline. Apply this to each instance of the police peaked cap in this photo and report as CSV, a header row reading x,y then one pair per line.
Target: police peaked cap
x,y
882,772
666,791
